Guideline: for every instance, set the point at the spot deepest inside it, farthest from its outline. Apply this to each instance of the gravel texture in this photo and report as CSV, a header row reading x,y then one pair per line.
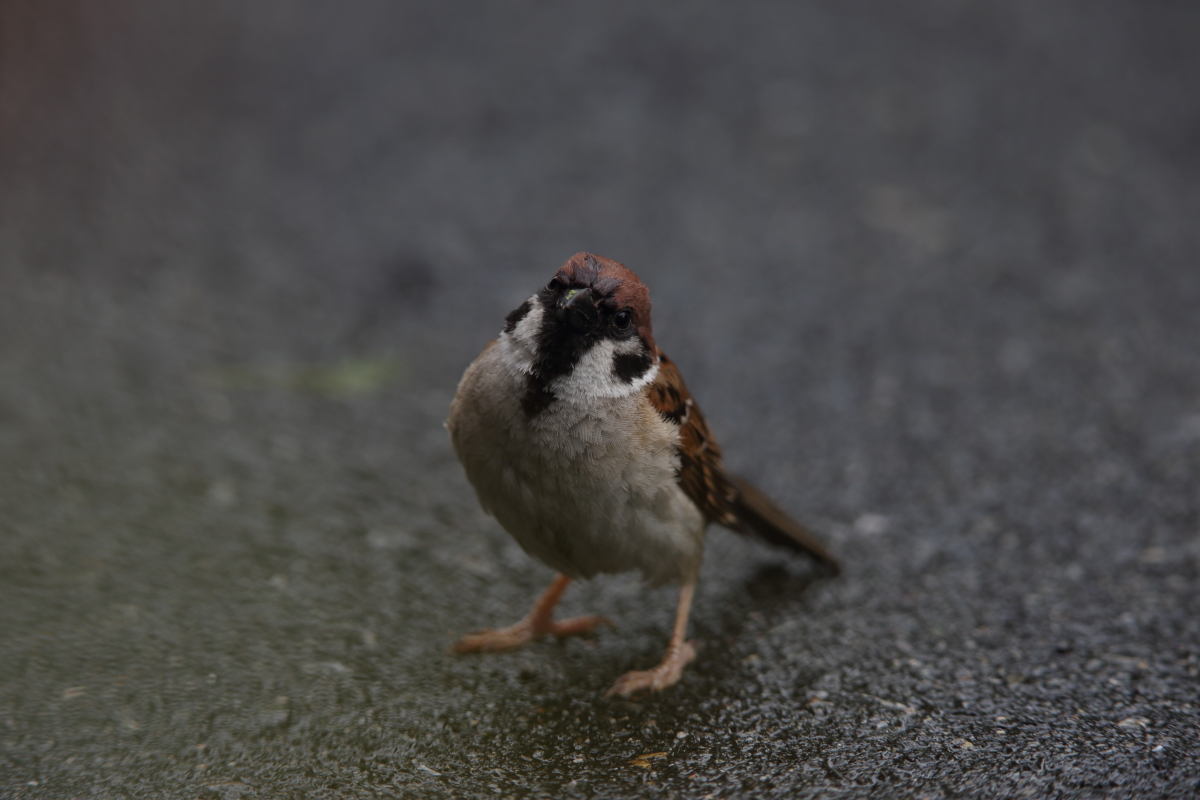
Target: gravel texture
x,y
931,268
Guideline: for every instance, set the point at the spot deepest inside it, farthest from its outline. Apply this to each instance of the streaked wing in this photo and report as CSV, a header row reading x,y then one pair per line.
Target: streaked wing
x,y
722,497
700,472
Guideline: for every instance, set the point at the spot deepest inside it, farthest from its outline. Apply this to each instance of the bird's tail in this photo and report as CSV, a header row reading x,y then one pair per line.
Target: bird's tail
x,y
756,513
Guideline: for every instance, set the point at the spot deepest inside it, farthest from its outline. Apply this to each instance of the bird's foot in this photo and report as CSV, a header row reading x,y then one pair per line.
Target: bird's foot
x,y
665,674
578,626
526,631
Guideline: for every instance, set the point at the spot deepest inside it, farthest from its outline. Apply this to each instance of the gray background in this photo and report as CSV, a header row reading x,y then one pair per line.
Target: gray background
x,y
930,268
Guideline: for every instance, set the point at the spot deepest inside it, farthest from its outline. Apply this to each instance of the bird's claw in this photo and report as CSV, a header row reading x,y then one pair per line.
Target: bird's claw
x,y
655,680
525,631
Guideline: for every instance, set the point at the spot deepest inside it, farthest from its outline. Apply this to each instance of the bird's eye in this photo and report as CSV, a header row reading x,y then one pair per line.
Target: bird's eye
x,y
623,318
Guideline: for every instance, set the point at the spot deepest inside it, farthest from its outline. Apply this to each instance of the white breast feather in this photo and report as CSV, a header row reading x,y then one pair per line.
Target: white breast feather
x,y
593,376
588,485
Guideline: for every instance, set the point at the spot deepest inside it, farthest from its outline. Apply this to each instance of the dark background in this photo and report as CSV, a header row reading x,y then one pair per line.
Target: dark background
x,y
930,267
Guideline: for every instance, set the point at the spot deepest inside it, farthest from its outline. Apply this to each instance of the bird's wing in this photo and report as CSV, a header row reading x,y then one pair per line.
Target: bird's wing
x,y
722,497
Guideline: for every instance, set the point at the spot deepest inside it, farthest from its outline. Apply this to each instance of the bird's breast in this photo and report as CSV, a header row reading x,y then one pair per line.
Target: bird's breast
x,y
586,485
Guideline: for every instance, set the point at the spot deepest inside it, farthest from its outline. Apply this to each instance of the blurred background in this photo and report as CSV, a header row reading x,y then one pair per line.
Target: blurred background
x,y
930,268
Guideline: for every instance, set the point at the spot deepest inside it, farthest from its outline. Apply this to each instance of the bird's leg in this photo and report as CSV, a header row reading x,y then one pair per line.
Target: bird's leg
x,y
537,623
679,653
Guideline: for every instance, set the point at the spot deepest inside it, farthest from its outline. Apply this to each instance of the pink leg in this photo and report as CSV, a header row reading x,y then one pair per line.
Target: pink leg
x,y
679,654
537,623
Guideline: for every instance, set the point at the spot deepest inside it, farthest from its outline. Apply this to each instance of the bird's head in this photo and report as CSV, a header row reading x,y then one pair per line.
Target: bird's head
x,y
588,330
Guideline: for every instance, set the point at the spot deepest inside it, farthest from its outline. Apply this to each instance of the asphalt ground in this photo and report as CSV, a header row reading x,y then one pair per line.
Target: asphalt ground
x,y
929,267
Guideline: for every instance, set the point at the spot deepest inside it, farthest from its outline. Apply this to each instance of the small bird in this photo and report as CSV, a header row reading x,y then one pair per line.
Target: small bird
x,y
581,439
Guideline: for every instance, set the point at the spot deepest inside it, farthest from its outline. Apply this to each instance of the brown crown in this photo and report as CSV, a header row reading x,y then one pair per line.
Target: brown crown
x,y
615,285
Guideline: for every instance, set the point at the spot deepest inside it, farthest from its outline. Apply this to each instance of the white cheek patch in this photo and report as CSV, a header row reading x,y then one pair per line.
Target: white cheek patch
x,y
594,375
527,329
519,348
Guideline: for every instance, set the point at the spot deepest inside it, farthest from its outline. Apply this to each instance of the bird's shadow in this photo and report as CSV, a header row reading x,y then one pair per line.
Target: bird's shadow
x,y
768,592
771,588
777,583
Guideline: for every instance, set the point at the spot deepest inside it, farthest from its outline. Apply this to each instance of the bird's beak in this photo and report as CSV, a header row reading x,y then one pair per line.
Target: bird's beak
x,y
577,309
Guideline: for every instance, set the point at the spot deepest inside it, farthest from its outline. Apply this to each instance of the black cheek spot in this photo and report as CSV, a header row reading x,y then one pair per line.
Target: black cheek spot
x,y
515,316
628,367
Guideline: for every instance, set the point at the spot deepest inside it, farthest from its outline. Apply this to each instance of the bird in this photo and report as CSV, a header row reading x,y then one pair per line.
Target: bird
x,y
580,437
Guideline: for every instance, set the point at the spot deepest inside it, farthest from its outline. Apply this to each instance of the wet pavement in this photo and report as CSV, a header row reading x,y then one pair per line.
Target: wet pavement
x,y
930,268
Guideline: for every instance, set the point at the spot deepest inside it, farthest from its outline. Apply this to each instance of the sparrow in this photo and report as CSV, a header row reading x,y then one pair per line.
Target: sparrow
x,y
580,437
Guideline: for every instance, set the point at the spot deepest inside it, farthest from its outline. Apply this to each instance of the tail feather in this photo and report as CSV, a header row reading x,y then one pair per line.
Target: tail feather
x,y
756,513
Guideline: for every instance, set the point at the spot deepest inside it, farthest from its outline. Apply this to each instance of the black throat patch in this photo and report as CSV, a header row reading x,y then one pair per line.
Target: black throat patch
x,y
558,350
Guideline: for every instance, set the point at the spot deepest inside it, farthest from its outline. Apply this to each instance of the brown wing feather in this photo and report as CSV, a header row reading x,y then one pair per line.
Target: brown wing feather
x,y
722,497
